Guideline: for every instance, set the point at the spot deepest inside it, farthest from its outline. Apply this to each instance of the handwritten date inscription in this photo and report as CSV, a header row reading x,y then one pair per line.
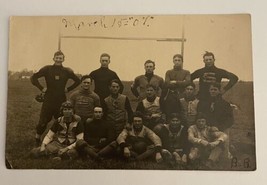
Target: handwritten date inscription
x,y
108,22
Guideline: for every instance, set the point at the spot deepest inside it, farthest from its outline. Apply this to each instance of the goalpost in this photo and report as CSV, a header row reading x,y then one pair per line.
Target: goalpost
x,y
181,40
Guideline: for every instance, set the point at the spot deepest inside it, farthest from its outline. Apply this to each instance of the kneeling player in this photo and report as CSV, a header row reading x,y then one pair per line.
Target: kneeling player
x,y
67,130
208,142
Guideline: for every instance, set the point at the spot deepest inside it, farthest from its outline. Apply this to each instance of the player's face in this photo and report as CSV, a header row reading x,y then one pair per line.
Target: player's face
x,y
104,61
214,91
178,62
209,61
149,67
67,112
137,123
150,92
98,112
86,84
189,91
114,88
175,123
58,59
201,123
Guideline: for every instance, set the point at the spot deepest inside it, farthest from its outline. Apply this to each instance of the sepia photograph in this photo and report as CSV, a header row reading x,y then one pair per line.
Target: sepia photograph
x,y
135,92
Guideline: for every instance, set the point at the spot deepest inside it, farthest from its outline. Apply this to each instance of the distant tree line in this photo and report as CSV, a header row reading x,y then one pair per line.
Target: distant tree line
x,y
24,74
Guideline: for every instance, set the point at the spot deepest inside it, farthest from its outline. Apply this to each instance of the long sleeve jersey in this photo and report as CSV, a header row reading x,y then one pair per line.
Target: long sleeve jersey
x,y
144,133
66,133
218,111
174,140
102,78
97,129
208,75
139,85
56,78
181,76
210,134
84,102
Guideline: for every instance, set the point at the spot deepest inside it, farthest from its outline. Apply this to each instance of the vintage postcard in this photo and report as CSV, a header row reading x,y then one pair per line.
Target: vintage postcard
x,y
172,92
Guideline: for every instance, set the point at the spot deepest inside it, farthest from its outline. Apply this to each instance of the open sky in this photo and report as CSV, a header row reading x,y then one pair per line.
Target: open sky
x,y
33,41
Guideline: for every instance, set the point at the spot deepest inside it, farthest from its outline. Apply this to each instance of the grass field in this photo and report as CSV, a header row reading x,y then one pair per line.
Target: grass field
x,y
23,114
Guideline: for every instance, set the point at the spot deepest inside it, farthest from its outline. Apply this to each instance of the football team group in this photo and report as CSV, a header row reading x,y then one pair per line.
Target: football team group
x,y
173,123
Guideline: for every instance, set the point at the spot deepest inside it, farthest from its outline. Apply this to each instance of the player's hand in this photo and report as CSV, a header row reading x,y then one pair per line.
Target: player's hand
x,y
102,140
204,142
214,144
173,82
126,152
62,151
158,157
43,91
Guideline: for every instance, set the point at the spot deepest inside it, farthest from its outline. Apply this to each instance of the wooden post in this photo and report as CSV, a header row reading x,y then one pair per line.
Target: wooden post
x,y
183,39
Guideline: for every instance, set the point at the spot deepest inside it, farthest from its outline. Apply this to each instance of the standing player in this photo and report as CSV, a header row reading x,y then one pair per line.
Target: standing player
x,y
211,74
103,76
177,78
56,77
142,81
175,82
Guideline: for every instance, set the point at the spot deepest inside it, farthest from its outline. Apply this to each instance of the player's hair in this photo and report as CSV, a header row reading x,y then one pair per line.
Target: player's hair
x,y
207,53
98,107
138,114
151,85
105,55
191,84
59,53
216,84
179,56
175,115
149,62
114,81
85,77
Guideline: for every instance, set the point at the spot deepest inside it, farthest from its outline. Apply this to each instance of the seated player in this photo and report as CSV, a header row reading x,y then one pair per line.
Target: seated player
x,y
189,104
60,141
174,139
117,108
135,141
97,134
150,107
208,142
